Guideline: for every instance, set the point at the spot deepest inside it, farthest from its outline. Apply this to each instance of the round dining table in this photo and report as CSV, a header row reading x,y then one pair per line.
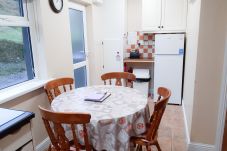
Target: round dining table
x,y
122,115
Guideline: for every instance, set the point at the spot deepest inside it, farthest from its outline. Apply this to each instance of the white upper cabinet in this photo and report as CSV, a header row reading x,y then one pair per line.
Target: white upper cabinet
x,y
174,14
134,13
151,14
164,15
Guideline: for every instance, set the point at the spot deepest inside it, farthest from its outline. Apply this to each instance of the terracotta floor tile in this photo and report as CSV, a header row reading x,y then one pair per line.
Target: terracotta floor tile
x,y
172,129
179,145
165,143
178,133
165,132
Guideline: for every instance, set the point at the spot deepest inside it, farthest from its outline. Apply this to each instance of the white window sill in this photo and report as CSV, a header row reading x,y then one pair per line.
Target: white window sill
x,y
20,89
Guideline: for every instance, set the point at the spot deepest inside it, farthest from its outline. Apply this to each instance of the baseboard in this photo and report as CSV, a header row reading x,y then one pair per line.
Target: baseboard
x,y
43,145
186,124
192,146
200,147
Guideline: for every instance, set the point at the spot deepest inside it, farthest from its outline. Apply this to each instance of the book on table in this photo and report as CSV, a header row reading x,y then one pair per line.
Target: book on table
x,y
97,96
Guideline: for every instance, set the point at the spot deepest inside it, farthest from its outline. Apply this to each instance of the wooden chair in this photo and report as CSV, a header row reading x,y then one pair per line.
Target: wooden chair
x,y
53,88
118,76
150,136
59,142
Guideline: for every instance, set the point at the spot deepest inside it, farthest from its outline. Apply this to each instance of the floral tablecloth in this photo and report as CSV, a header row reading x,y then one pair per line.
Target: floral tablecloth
x,y
113,121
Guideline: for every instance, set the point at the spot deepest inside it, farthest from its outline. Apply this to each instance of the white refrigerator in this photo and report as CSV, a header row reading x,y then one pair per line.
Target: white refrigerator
x,y
168,68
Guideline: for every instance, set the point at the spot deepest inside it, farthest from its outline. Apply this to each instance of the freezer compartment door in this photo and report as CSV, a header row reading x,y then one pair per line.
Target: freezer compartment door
x,y
168,71
169,44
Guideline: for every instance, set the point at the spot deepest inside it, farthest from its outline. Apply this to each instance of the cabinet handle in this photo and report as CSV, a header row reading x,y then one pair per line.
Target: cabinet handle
x,y
159,26
162,26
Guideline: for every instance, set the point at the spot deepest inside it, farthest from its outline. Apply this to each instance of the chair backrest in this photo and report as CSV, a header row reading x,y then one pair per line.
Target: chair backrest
x,y
127,77
57,133
53,88
159,108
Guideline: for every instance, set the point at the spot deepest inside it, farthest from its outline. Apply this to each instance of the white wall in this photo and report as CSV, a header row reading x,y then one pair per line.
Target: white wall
x,y
192,33
106,22
202,102
55,39
95,34
209,71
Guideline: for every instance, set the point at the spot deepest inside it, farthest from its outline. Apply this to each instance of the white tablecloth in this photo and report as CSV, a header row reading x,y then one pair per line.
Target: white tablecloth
x,y
114,120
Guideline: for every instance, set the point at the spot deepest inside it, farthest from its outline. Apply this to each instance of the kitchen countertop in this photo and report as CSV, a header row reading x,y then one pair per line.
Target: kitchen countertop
x,y
128,60
14,122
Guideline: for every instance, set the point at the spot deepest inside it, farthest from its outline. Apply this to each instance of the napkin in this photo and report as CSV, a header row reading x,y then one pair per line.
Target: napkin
x,y
97,96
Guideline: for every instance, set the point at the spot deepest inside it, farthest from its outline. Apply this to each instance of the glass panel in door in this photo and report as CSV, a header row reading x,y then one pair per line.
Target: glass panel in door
x,y
77,16
11,7
77,35
80,77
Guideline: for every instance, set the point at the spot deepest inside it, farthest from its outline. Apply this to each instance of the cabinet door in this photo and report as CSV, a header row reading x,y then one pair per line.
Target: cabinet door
x,y
113,55
174,15
134,14
16,140
151,14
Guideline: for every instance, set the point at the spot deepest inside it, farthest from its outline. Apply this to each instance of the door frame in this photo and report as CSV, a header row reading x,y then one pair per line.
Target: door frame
x,y
222,106
73,5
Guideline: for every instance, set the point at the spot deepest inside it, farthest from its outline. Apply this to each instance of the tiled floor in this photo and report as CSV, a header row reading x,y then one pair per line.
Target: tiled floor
x,y
172,129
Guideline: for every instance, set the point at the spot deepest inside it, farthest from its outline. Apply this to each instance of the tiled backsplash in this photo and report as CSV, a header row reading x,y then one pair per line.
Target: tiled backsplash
x,y
145,45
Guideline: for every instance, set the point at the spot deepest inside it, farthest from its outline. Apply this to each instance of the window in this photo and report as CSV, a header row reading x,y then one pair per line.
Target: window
x,y
16,61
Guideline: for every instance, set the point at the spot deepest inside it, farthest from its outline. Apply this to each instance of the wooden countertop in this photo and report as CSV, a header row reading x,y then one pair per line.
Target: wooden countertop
x,y
128,60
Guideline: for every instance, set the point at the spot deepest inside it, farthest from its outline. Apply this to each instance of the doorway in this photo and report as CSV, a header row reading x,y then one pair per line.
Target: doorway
x,y
77,16
224,143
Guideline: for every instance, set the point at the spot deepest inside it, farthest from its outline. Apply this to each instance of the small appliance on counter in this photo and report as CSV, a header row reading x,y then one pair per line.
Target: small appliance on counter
x,y
134,54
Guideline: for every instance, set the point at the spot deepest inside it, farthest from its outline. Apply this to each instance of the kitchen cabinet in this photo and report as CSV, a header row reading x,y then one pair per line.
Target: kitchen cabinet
x,y
21,139
134,14
15,130
164,15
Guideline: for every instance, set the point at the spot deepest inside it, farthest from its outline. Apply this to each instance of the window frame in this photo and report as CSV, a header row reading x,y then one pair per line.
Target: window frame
x,y
27,20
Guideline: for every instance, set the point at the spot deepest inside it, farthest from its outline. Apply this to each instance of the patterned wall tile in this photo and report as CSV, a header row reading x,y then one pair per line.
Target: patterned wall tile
x,y
145,45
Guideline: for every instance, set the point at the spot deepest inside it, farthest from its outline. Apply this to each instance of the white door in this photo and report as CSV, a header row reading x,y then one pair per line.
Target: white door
x,y
151,14
113,55
112,16
168,72
174,15
77,15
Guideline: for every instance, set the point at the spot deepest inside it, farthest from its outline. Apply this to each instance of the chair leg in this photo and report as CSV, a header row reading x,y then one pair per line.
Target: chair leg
x,y
148,148
49,148
139,148
132,146
158,146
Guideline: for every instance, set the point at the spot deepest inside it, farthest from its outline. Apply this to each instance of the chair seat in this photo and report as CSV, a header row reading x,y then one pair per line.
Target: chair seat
x,y
141,139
